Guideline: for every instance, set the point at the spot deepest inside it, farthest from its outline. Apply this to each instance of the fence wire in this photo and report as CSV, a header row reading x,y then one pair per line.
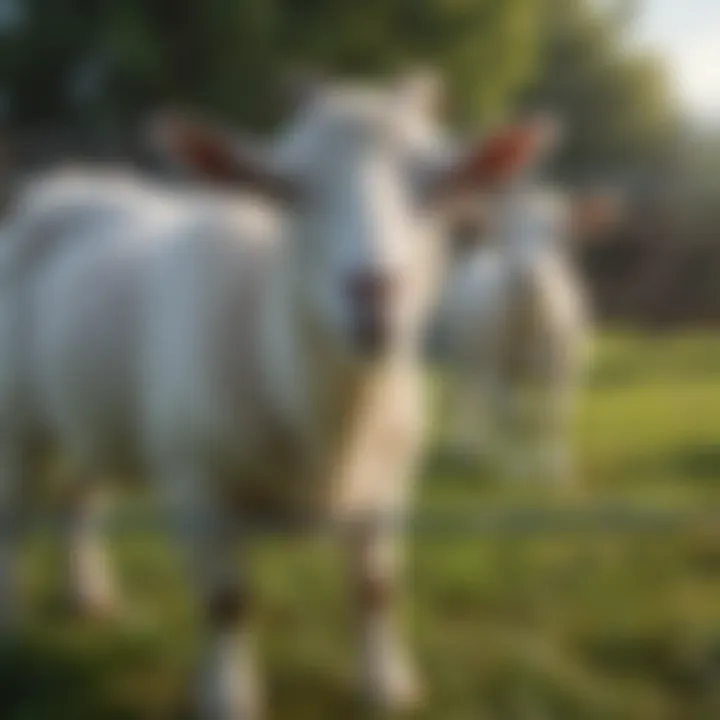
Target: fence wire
x,y
524,521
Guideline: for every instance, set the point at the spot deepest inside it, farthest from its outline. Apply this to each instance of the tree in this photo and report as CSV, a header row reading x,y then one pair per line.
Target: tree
x,y
81,63
227,55
616,100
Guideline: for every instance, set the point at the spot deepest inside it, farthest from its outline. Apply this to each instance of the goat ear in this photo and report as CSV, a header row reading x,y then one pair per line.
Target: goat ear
x,y
214,155
593,214
503,157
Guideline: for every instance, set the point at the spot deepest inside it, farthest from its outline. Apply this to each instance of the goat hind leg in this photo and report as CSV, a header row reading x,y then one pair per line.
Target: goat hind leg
x,y
228,687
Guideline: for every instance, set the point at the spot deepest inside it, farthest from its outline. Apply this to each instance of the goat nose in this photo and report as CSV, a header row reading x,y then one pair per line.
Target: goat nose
x,y
371,288
370,294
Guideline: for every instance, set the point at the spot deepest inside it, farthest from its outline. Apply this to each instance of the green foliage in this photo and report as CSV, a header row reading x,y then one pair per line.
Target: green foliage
x,y
226,55
617,100
38,55
81,62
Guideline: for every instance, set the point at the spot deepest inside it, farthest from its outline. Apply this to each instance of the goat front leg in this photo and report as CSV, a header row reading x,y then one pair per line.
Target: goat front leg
x,y
389,680
471,428
555,415
558,382
228,684
91,586
378,474
511,409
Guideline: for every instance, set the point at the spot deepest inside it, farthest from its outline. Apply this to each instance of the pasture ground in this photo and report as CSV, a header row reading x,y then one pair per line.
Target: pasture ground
x,y
564,624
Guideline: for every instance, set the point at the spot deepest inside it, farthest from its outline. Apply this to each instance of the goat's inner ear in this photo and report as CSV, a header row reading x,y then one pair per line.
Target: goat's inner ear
x,y
499,160
219,158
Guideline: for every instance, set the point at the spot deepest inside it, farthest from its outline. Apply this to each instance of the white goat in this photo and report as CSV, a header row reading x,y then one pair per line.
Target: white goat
x,y
256,356
515,327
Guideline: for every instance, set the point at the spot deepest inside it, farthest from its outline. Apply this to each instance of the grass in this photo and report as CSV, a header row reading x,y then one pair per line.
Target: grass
x,y
558,625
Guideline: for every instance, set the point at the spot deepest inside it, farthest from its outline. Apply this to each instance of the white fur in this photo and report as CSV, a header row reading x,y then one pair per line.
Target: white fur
x,y
515,325
202,342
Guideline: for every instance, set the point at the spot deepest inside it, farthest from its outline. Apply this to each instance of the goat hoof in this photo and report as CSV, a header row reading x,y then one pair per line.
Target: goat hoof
x,y
397,690
229,688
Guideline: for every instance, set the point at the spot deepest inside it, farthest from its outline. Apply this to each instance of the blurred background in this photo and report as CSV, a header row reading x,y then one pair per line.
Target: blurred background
x,y
573,623
635,81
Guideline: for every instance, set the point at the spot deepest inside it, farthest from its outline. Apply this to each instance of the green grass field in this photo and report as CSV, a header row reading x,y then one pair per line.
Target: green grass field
x,y
570,624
